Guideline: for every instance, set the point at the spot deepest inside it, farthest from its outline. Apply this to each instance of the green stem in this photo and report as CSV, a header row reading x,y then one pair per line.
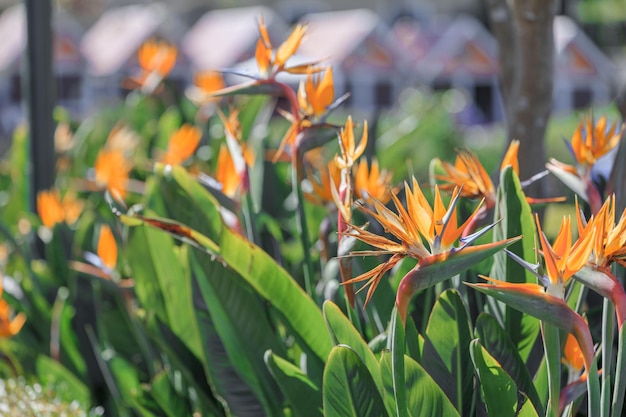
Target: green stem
x,y
303,230
607,354
249,217
552,348
620,375
593,390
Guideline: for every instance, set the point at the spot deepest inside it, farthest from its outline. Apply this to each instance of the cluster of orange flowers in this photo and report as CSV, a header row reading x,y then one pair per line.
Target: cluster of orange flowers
x,y
422,231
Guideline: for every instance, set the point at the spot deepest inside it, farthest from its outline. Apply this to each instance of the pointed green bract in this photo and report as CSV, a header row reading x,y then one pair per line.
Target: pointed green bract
x,y
573,182
438,268
264,87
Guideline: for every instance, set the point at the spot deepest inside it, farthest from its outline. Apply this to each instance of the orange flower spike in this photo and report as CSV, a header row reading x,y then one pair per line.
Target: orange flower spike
x,y
209,82
72,208
597,140
264,37
372,183
610,242
263,57
448,232
329,176
9,327
157,57
349,152
111,171
49,208
572,355
107,247
289,46
320,92
563,260
182,145
226,174
510,157
468,173
531,299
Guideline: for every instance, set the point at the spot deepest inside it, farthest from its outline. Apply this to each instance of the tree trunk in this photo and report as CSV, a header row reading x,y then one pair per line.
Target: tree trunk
x,y
524,32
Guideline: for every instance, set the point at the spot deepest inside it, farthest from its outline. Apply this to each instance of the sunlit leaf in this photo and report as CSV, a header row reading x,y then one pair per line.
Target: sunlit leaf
x,y
349,390
424,396
301,393
498,391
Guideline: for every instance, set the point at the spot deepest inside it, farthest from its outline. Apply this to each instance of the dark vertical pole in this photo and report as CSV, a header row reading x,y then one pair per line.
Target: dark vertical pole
x,y
40,95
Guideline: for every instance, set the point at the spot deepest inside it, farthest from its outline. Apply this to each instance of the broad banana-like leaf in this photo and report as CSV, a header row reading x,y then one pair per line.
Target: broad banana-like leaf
x,y
302,394
497,388
197,211
446,350
423,396
516,220
343,332
496,341
349,390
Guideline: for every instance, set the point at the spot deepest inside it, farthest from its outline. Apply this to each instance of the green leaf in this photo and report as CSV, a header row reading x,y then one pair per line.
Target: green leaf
x,y
169,121
19,186
241,322
67,386
163,284
302,394
349,390
343,332
126,382
498,390
414,340
424,396
62,315
527,410
446,345
188,202
516,219
496,341
170,402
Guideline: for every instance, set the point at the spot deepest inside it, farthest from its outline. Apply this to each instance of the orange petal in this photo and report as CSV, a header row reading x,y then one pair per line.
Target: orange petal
x,y
263,57
107,247
49,208
289,47
548,254
510,158
182,144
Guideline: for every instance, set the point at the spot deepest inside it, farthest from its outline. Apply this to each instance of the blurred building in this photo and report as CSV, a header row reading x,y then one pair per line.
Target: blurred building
x,y
371,60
